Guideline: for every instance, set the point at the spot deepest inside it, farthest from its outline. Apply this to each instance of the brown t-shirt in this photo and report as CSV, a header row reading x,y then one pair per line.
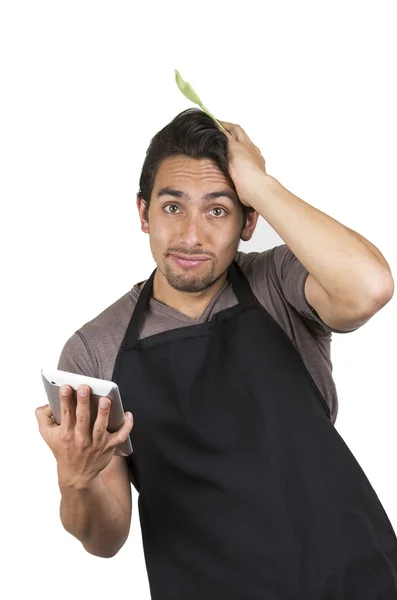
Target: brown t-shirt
x,y
277,279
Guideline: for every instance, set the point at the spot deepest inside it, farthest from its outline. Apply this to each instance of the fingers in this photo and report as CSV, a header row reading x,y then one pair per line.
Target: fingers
x,y
101,424
235,131
83,416
121,435
43,416
102,420
226,125
67,405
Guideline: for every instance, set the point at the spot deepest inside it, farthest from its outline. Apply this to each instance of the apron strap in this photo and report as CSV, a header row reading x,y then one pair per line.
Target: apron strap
x,y
132,333
241,288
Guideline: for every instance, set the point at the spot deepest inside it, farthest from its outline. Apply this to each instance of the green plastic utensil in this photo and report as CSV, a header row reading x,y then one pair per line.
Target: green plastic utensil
x,y
191,95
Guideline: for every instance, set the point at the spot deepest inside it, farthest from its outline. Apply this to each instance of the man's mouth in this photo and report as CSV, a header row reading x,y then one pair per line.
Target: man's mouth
x,y
188,261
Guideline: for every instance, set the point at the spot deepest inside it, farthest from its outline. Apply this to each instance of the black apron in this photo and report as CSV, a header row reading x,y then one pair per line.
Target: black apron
x,y
246,489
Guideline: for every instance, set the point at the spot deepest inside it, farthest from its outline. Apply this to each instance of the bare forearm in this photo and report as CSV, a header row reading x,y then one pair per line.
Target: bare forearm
x,y
344,263
374,250
95,517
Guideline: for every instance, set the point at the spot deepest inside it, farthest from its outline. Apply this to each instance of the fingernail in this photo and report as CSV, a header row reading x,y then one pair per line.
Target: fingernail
x,y
83,391
64,390
103,403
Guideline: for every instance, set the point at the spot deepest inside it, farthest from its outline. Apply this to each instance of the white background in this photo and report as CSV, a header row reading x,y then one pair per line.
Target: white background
x,y
84,87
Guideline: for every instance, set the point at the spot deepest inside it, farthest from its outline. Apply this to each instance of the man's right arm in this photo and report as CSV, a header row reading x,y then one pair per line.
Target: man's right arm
x,y
99,513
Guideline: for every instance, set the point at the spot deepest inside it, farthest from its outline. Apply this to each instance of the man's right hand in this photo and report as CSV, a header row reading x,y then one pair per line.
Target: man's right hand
x,y
81,450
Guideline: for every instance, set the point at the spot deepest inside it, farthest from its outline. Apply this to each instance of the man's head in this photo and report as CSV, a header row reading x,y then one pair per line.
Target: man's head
x,y
186,167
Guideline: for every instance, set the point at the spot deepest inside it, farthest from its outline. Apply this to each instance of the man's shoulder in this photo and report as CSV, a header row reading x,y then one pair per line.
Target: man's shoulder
x,y
258,264
111,318
91,349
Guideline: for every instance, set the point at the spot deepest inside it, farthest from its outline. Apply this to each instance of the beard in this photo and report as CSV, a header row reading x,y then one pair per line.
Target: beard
x,y
189,281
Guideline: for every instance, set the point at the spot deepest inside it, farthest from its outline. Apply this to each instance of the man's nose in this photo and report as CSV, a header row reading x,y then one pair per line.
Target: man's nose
x,y
191,230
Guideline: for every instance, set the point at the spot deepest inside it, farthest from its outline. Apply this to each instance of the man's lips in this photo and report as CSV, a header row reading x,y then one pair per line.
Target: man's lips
x,y
188,261
186,257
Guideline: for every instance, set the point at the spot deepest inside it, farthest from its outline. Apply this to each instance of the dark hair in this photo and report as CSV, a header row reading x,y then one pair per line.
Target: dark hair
x,y
191,133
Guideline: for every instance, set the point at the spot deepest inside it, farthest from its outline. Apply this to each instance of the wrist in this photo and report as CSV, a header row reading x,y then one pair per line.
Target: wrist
x,y
73,483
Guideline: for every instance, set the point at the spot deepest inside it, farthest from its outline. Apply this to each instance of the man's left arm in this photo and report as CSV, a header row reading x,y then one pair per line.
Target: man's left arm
x,y
349,279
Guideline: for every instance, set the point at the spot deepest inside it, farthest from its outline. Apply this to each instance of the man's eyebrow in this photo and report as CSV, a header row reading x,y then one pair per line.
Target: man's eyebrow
x,y
169,191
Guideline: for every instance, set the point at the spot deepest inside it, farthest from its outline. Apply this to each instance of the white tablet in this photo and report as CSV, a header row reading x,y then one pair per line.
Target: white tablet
x,y
53,379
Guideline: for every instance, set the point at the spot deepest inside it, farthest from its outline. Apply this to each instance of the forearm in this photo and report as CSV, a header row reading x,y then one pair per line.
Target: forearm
x,y
346,265
95,517
374,250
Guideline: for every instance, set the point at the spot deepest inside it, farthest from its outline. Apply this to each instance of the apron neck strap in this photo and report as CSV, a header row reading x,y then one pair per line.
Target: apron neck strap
x,y
241,288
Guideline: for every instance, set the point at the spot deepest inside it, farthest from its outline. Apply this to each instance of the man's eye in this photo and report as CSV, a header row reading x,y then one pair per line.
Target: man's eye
x,y
176,206
167,205
219,208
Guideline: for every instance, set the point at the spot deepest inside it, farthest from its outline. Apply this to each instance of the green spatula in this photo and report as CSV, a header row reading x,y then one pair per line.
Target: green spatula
x,y
191,95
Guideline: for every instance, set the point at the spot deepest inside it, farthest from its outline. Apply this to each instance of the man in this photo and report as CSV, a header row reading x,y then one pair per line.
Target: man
x,y
246,489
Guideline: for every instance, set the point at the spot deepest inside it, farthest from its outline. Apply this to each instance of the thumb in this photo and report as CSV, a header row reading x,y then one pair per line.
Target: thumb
x,y
121,435
44,416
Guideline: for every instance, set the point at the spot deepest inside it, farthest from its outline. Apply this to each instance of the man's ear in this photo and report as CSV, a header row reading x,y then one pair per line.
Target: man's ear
x,y
143,213
249,226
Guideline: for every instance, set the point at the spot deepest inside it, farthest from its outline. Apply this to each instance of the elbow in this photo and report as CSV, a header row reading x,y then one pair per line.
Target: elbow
x,y
370,297
104,551
101,552
382,293
388,289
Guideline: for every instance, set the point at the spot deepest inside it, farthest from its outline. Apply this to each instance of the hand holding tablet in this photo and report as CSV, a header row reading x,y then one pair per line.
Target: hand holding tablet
x,y
83,435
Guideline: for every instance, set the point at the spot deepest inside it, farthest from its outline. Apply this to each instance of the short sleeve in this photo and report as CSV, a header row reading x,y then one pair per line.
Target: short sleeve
x,y
292,275
77,357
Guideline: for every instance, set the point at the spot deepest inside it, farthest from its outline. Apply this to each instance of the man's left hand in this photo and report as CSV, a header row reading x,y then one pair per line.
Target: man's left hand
x,y
246,163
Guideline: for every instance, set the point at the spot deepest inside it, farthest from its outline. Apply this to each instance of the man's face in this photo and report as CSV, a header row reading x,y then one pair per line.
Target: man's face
x,y
189,225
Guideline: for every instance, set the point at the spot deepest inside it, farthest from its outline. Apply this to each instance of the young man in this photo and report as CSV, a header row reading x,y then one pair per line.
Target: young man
x,y
246,489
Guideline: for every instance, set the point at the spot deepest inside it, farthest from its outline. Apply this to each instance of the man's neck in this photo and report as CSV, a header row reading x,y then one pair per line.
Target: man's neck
x,y
191,304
